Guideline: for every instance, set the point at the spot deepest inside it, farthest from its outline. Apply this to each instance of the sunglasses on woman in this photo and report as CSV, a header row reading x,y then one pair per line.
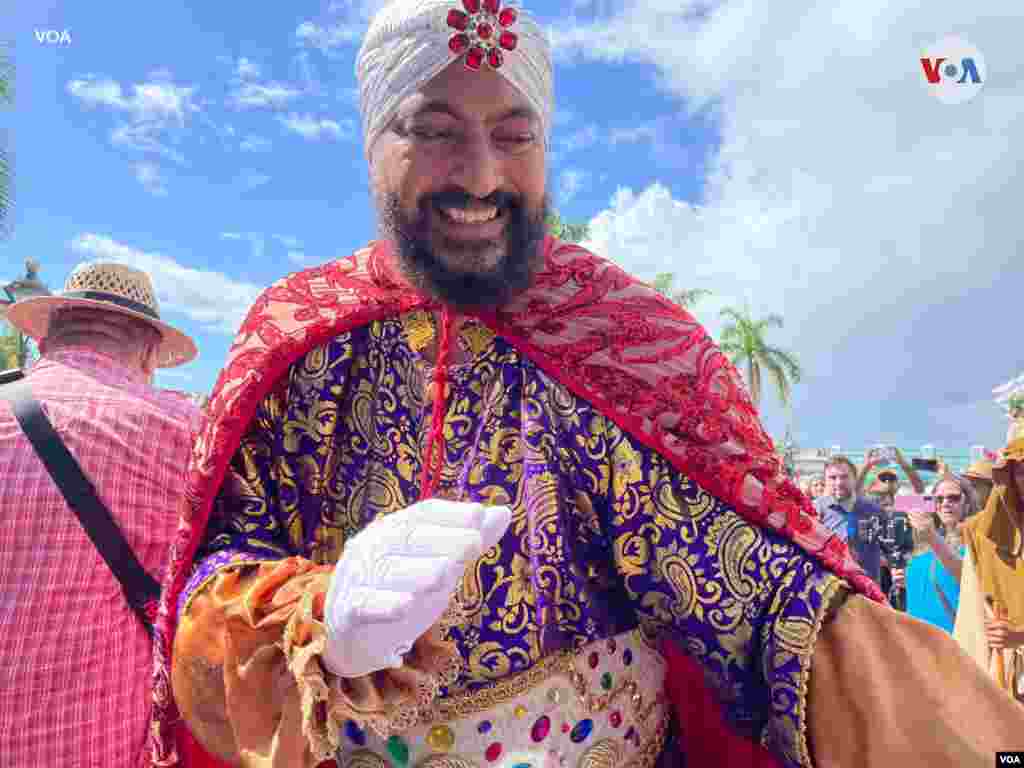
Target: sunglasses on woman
x,y
953,498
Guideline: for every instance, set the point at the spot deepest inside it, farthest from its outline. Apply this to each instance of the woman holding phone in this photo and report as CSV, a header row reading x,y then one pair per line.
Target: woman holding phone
x,y
933,575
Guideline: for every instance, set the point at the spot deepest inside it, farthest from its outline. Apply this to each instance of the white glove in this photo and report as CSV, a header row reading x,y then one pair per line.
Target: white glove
x,y
397,577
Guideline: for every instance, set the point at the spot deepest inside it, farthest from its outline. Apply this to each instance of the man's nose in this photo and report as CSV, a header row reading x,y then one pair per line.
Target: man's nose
x,y
478,169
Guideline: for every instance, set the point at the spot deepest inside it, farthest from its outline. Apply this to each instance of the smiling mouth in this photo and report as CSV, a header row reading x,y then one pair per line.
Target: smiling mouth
x,y
469,215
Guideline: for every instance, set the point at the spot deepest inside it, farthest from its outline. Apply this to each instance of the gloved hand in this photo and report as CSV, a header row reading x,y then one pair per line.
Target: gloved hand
x,y
396,578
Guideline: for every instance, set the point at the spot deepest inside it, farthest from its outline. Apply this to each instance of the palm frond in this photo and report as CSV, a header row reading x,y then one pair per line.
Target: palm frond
x,y
778,374
663,283
687,297
787,361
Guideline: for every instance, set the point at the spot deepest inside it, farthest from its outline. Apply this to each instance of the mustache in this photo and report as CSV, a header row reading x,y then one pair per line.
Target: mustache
x,y
453,197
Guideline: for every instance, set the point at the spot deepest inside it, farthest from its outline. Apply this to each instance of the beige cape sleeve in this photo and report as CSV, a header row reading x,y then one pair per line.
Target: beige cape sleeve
x,y
888,690
247,676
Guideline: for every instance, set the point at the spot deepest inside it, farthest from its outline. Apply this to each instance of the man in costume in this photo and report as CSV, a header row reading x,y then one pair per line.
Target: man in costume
x,y
990,621
476,497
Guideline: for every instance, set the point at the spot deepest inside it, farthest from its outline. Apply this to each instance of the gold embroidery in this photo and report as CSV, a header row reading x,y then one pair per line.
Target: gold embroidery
x,y
364,758
604,754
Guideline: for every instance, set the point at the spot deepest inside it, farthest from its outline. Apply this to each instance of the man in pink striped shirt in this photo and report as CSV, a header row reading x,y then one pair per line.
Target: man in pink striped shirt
x,y
75,661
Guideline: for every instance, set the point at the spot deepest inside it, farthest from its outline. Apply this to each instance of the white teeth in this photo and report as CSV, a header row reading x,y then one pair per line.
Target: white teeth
x,y
463,216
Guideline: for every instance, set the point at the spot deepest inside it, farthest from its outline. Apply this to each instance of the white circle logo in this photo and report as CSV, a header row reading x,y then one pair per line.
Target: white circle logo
x,y
953,70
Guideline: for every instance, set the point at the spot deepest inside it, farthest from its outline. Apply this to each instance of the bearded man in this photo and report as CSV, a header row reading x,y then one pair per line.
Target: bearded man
x,y
476,497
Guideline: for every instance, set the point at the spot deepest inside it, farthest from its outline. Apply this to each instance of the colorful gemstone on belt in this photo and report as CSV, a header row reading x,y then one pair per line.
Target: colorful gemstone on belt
x,y
398,750
541,728
627,657
354,733
520,711
440,738
493,752
606,681
592,660
615,718
484,727
581,730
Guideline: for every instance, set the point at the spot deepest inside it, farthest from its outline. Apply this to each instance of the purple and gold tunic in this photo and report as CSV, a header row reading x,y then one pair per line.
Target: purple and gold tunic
x,y
606,536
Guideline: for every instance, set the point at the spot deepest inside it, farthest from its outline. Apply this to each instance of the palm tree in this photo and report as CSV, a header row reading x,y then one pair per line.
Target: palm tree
x,y
570,233
743,340
687,298
6,96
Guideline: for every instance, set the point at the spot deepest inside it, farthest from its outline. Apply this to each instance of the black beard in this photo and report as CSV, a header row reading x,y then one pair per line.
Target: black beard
x,y
494,287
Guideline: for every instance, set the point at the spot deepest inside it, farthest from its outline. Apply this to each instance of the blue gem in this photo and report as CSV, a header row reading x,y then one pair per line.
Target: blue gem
x,y
484,727
523,765
581,730
627,657
355,734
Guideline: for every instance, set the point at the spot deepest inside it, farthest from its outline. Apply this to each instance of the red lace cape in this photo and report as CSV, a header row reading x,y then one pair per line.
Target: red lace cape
x,y
641,360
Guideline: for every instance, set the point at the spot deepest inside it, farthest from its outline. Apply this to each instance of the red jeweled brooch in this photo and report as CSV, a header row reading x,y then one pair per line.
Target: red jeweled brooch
x,y
482,32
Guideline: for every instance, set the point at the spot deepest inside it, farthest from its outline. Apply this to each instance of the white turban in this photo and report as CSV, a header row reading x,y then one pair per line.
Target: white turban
x,y
407,45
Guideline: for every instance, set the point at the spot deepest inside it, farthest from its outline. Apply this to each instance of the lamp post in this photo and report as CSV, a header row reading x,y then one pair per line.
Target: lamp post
x,y
23,288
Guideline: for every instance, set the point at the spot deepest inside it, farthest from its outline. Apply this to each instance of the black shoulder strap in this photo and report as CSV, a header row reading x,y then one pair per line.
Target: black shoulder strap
x,y
141,590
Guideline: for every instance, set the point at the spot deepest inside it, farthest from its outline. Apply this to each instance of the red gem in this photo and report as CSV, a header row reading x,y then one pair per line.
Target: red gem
x,y
492,6
458,43
508,17
592,660
457,19
475,57
473,6
615,719
484,31
493,752
611,645
565,727
540,729
495,59
508,40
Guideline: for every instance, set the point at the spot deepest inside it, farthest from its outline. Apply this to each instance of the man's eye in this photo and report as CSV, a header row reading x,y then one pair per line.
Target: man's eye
x,y
431,134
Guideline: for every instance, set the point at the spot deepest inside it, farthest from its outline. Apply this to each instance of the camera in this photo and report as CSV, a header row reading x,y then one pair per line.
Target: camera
x,y
895,538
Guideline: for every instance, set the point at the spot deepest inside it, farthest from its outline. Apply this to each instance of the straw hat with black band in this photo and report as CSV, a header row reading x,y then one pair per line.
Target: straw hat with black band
x,y
111,287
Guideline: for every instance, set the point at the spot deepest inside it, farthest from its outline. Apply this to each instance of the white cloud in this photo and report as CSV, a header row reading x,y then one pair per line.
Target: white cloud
x,y
253,179
314,129
151,101
328,38
153,111
570,182
288,241
246,69
210,298
231,235
262,95
298,258
842,194
148,175
581,139
253,143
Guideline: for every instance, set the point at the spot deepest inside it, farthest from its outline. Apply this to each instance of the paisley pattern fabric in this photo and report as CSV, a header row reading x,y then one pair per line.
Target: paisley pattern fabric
x,y
641,367
606,535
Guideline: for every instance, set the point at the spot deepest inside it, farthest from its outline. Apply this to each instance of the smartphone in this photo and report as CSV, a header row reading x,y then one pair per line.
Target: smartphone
x,y
925,465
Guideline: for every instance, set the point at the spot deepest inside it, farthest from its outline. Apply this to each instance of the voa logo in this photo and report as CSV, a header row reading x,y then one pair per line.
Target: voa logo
x,y
953,70
53,36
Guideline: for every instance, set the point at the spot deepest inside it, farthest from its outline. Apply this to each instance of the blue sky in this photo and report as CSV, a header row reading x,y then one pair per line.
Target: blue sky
x,y
787,157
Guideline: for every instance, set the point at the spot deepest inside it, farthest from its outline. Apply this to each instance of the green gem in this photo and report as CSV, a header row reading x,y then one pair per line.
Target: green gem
x,y
606,681
398,750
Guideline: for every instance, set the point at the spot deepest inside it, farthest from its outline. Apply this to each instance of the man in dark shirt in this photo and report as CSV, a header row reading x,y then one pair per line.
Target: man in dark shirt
x,y
845,514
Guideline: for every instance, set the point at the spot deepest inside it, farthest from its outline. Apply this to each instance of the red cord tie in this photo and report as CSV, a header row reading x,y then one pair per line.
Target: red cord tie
x,y
433,460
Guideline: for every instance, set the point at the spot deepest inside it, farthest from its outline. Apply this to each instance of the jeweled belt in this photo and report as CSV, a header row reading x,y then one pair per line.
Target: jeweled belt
x,y
602,706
